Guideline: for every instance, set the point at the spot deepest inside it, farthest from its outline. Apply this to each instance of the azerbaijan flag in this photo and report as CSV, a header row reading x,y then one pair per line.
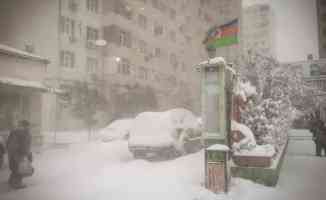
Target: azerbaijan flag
x,y
220,36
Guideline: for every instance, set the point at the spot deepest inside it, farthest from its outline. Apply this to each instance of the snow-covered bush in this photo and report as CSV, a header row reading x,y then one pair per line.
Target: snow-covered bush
x,y
269,120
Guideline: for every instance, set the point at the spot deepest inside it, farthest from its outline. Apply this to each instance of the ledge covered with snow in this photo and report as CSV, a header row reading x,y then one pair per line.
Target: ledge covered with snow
x,y
218,147
4,49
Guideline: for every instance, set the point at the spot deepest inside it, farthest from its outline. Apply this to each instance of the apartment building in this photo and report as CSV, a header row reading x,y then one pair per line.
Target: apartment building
x,y
321,16
257,31
137,48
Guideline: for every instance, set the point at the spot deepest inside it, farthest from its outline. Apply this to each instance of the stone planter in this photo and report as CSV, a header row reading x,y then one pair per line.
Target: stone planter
x,y
252,161
255,170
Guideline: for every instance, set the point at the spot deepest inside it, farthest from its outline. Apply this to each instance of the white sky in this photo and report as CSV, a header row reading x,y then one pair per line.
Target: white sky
x,y
296,32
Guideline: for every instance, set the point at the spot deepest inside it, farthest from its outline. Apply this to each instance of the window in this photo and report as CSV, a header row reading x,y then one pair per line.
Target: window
x,y
173,13
174,61
202,2
73,5
122,38
188,39
124,66
91,34
157,52
182,28
142,46
142,21
92,5
155,4
184,67
122,8
143,73
125,39
200,12
173,36
67,59
158,29
92,65
67,26
80,29
162,7
264,8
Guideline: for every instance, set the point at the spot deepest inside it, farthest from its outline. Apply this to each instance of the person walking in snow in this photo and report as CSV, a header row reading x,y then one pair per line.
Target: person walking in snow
x,y
2,150
318,129
18,147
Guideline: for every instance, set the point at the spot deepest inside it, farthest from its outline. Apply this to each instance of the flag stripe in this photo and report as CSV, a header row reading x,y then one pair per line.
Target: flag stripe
x,y
230,31
226,41
232,23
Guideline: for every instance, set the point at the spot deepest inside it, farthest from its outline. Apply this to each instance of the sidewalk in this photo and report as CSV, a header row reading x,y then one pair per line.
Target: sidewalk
x,y
303,175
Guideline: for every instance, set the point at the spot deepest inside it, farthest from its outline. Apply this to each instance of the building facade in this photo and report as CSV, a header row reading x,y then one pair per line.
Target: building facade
x,y
257,31
142,51
321,15
22,92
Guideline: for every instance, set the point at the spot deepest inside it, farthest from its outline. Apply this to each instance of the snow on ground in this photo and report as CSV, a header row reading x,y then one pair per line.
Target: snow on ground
x,y
67,137
107,171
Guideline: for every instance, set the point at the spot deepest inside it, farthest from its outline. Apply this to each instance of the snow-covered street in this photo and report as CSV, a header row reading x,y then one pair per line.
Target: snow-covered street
x,y
107,171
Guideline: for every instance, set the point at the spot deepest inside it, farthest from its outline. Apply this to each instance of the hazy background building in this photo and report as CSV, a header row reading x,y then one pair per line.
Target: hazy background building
x,y
321,13
257,29
142,52
295,28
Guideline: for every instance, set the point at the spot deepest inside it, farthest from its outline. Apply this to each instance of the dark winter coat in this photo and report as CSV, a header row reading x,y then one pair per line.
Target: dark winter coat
x,y
19,144
316,127
2,146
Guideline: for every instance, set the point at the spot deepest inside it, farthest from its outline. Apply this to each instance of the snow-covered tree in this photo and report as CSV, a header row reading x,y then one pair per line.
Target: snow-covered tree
x,y
281,93
86,100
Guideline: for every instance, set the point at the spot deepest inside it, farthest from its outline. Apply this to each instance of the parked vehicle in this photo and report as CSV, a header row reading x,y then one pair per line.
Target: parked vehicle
x,y
165,134
117,130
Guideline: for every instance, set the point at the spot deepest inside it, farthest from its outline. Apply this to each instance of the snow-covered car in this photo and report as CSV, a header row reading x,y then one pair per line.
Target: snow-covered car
x,y
165,134
117,130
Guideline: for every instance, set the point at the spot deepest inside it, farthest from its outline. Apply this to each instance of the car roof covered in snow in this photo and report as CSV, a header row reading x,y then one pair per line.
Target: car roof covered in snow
x,y
156,128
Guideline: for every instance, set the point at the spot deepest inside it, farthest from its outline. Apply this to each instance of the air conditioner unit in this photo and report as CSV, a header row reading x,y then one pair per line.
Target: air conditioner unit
x,y
30,48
